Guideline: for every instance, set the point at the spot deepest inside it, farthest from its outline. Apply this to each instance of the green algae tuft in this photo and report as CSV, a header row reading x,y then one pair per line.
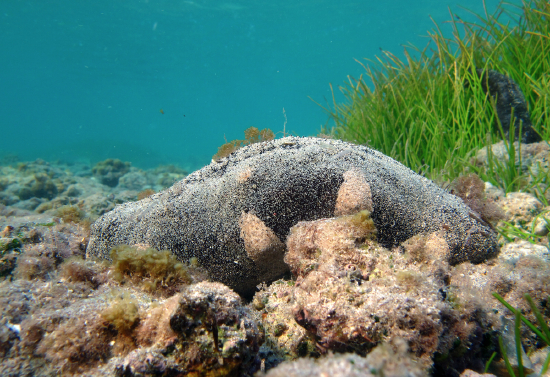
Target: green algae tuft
x,y
153,269
251,135
122,314
145,194
70,214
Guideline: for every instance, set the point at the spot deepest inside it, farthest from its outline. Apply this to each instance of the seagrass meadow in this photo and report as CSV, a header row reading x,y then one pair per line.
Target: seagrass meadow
x,y
430,111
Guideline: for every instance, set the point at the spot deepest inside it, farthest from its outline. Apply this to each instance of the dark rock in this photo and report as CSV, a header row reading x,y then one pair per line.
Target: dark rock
x,y
142,362
234,215
7,263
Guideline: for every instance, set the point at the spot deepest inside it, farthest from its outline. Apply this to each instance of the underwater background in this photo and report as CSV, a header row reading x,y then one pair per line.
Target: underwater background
x,y
163,82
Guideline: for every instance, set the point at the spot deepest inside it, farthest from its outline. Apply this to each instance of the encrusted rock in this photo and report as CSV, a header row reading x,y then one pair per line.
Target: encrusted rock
x,y
471,373
534,156
520,206
511,252
541,224
382,361
234,215
351,293
205,330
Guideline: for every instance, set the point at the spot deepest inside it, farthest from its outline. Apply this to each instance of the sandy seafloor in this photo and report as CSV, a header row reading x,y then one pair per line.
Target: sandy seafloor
x,y
400,312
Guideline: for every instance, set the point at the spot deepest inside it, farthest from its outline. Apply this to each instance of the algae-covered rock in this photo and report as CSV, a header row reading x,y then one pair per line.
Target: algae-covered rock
x,y
382,361
41,186
155,271
235,214
109,171
350,294
203,331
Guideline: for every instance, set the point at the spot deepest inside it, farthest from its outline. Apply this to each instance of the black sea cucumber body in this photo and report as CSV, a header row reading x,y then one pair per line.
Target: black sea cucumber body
x,y
234,215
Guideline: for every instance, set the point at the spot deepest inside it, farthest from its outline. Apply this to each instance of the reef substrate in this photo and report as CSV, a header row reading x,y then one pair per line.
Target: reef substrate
x,y
350,305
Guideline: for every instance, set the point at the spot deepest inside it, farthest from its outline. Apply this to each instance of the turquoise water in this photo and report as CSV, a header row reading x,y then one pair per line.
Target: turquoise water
x,y
163,81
